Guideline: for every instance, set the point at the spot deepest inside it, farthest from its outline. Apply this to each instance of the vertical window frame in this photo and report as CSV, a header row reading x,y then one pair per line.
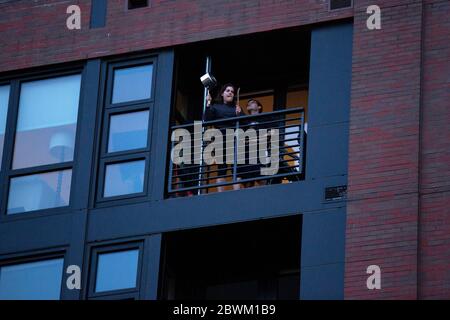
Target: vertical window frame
x,y
10,134
8,112
108,109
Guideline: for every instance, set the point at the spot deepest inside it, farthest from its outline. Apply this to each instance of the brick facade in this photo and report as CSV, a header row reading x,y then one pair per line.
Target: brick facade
x,y
37,35
399,153
398,214
382,216
434,220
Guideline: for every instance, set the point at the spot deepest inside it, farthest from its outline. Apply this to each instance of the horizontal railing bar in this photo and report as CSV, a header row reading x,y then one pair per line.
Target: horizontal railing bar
x,y
234,182
229,175
205,143
195,167
243,118
259,124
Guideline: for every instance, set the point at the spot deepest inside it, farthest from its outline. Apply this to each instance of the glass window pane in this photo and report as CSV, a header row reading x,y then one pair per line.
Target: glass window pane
x,y
128,131
132,84
117,270
4,99
46,127
32,281
124,178
39,191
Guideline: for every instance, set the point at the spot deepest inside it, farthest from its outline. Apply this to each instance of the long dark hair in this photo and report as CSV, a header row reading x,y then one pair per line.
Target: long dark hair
x,y
219,98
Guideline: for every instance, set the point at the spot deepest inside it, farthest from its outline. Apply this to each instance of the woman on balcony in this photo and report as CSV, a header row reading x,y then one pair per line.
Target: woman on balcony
x,y
226,107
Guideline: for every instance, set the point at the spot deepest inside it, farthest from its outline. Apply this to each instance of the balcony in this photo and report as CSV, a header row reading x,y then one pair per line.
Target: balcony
x,y
240,152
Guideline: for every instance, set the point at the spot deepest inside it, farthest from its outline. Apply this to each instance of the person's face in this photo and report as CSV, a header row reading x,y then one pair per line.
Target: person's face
x,y
253,108
228,95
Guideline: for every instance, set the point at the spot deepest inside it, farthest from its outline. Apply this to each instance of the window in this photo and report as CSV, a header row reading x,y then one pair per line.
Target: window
x,y
135,4
4,100
39,191
47,121
39,280
126,130
340,4
115,271
44,143
124,178
132,84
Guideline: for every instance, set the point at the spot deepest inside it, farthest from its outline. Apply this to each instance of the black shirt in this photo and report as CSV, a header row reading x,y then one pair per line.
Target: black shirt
x,y
220,111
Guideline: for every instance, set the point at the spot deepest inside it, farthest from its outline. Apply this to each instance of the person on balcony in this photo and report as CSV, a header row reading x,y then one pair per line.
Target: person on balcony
x,y
225,107
248,170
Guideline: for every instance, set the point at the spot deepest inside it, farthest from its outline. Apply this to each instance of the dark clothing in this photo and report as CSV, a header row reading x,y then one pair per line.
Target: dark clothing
x,y
219,111
247,170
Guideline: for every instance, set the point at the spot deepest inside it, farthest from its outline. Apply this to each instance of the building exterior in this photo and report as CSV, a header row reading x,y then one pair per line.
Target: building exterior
x,y
375,186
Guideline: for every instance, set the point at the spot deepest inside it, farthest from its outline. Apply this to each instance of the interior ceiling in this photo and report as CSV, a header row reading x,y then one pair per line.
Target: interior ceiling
x,y
253,62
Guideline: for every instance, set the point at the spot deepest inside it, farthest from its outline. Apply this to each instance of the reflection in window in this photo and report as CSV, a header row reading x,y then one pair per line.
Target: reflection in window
x,y
128,131
117,270
39,191
32,281
124,178
132,84
4,98
47,120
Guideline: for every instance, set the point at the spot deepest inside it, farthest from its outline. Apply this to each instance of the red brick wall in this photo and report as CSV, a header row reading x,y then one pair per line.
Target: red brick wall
x,y
399,162
382,212
35,33
434,226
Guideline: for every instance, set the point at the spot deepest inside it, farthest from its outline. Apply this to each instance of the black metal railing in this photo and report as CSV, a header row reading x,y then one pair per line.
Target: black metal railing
x,y
284,128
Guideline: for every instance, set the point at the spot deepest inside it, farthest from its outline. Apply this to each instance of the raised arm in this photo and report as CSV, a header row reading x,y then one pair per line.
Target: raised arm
x,y
210,113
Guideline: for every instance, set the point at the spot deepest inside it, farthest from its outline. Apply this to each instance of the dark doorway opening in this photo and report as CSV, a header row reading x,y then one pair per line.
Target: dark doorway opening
x,y
271,66
251,260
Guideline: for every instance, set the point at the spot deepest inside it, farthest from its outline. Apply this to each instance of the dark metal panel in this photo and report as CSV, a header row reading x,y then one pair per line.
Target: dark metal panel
x,y
324,282
323,237
75,253
161,121
211,209
98,13
86,132
330,74
33,234
151,264
327,153
323,234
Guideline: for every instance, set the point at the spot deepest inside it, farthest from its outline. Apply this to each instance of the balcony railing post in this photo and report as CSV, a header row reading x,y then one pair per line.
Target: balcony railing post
x,y
205,94
235,141
170,189
302,144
